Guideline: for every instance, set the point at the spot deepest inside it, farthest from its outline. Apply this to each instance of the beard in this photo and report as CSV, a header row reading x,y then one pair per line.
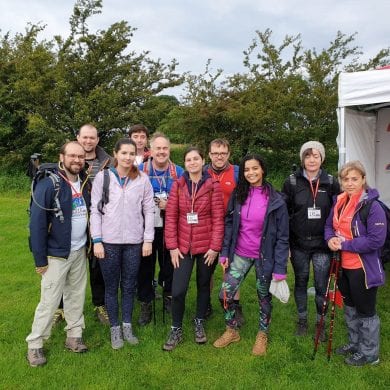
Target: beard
x,y
73,168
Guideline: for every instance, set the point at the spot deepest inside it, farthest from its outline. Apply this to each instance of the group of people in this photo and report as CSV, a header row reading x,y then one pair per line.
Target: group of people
x,y
143,207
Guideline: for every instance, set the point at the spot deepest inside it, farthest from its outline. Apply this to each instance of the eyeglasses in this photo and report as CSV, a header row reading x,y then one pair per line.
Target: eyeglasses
x,y
74,156
216,154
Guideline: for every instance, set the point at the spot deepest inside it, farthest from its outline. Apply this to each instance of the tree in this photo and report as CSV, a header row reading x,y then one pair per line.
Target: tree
x,y
286,96
49,89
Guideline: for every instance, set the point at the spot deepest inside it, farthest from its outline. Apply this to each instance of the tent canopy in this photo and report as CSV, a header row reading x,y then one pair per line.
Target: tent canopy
x,y
364,125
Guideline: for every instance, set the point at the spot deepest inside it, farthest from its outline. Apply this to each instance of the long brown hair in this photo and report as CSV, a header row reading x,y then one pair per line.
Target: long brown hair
x,y
134,171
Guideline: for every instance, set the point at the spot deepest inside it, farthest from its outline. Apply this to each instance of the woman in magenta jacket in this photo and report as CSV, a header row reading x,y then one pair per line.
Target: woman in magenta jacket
x,y
194,227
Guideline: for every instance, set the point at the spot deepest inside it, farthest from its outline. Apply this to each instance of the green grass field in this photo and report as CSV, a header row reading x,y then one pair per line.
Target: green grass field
x,y
288,363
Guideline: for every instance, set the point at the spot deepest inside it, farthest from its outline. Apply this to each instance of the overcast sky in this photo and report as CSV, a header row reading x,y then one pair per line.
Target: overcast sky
x,y
194,30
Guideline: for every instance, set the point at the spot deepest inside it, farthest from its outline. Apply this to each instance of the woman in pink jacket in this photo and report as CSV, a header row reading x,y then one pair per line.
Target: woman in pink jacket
x,y
120,231
194,227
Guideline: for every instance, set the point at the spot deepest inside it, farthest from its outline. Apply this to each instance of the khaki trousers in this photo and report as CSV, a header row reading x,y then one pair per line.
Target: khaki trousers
x,y
67,278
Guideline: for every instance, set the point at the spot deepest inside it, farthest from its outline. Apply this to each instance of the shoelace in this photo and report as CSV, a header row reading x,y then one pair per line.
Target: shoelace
x,y
357,356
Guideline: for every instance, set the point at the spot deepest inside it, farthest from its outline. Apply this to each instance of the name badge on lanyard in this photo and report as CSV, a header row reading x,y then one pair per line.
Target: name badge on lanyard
x,y
192,218
314,213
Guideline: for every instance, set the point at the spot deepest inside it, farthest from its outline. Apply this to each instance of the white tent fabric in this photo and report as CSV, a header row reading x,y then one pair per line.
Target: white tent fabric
x,y
364,125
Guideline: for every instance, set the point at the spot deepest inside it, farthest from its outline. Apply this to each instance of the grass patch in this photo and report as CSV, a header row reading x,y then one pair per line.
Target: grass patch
x,y
288,363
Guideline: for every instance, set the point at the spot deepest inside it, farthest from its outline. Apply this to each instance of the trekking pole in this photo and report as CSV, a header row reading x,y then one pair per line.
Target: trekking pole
x,y
336,261
320,324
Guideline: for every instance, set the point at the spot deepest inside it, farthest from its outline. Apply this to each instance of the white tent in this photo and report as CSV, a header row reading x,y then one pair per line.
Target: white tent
x,y
364,125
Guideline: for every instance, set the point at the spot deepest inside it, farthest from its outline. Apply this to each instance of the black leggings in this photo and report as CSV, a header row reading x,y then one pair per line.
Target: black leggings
x,y
353,288
181,280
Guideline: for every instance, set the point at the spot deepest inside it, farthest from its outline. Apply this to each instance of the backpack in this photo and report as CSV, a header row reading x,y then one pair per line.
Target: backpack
x,y
172,168
49,170
105,192
363,212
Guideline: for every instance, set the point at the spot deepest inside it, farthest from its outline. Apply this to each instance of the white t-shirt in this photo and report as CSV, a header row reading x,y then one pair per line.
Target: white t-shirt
x,y
79,218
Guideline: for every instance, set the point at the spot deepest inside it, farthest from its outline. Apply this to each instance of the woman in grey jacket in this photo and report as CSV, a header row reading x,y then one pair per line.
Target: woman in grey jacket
x,y
120,231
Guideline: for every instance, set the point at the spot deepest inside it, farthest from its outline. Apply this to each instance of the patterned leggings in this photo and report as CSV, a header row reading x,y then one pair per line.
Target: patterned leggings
x,y
120,268
234,276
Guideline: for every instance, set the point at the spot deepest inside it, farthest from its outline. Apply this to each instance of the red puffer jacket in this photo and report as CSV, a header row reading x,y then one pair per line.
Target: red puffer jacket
x,y
208,232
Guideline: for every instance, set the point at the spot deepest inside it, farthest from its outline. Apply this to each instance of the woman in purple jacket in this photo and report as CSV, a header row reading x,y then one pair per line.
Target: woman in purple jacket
x,y
120,232
359,240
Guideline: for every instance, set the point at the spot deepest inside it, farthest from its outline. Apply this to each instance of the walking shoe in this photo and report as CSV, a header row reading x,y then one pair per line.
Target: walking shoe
x,y
116,337
75,344
102,315
230,335
301,327
36,357
358,359
345,350
58,317
168,303
323,337
239,315
145,315
128,334
260,346
209,311
174,338
200,334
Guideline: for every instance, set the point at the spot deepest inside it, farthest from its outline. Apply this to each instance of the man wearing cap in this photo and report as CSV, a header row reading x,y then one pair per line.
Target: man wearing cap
x,y
308,193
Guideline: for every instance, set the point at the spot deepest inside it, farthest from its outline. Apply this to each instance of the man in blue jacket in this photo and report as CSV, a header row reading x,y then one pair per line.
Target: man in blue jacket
x,y
59,249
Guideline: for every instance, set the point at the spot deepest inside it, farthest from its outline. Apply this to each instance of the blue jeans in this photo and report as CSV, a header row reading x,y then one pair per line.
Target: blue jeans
x,y
120,265
301,264
234,276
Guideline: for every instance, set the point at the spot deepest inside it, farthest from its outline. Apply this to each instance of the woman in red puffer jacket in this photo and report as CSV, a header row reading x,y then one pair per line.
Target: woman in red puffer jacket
x,y
194,228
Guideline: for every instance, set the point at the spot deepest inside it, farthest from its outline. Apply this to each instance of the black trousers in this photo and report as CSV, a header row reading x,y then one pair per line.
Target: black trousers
x,y
181,280
353,289
147,269
96,281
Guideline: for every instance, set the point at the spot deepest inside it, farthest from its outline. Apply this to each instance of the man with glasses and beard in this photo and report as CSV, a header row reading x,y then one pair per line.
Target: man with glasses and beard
x,y
59,249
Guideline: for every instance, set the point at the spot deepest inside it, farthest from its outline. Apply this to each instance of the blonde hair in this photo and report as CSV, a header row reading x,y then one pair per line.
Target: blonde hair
x,y
353,166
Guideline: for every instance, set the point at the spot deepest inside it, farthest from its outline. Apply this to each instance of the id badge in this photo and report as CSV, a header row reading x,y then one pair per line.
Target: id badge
x,y
314,213
192,218
161,195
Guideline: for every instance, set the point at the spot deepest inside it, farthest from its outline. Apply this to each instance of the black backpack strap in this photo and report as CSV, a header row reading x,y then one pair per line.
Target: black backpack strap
x,y
293,180
364,211
105,192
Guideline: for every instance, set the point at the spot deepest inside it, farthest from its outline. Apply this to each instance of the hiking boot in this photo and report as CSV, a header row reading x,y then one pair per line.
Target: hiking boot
x,y
102,315
200,334
323,337
116,337
36,357
230,335
168,303
174,338
58,317
345,350
75,344
358,359
145,316
209,311
239,315
301,327
128,334
260,346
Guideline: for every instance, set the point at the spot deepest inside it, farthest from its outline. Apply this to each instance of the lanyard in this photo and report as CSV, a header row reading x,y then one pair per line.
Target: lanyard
x,y
314,192
194,190
78,194
215,176
163,180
